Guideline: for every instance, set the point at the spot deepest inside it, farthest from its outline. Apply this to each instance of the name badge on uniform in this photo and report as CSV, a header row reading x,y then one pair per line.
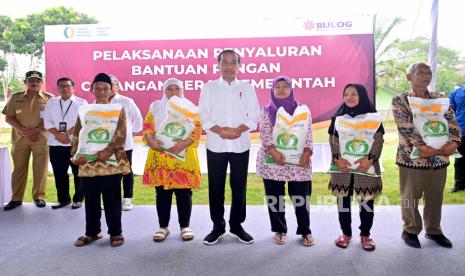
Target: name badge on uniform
x,y
41,114
62,127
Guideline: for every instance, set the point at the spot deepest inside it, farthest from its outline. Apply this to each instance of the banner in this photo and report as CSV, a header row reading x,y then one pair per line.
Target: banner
x,y
320,56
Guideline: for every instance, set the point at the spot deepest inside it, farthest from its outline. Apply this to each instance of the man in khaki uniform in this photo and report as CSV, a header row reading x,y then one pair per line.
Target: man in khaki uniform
x,y
24,112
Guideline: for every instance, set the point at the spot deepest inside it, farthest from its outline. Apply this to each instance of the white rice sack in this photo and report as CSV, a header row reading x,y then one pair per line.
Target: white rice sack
x,y
356,137
429,120
177,125
290,133
99,122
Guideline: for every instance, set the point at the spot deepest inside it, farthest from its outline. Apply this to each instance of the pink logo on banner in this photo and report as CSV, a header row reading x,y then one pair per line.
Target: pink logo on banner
x,y
320,66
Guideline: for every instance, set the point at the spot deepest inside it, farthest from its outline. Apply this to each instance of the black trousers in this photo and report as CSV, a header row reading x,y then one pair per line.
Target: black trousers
x,y
183,203
299,193
459,166
59,158
109,188
345,215
217,167
128,179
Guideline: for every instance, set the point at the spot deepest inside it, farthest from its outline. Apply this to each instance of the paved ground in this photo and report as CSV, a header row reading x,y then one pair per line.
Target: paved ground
x,y
37,241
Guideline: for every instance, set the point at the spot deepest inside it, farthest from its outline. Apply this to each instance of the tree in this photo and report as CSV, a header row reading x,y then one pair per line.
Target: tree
x,y
25,36
448,75
393,59
381,31
28,33
6,50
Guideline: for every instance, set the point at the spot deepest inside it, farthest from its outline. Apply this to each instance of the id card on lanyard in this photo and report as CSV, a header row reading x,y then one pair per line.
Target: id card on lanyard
x,y
62,127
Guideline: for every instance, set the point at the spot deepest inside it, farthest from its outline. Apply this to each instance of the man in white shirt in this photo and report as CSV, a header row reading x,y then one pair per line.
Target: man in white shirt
x,y
60,115
133,125
229,110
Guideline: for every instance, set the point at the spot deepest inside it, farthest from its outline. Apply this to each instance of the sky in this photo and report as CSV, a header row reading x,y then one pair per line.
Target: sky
x,y
216,15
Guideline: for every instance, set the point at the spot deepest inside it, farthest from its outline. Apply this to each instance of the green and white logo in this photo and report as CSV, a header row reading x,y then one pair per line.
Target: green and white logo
x,y
434,129
99,136
287,141
174,130
415,153
356,147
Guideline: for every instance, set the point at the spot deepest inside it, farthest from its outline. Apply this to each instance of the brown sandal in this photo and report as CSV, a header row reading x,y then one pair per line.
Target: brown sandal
x,y
367,243
343,241
117,240
85,240
187,234
279,238
307,240
161,235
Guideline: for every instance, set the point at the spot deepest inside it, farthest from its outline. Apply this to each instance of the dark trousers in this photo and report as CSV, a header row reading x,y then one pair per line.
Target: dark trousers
x,y
183,203
300,193
345,215
59,157
459,166
109,188
128,179
217,167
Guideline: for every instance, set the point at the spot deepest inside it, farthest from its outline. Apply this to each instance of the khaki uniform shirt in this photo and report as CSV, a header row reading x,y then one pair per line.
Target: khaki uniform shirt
x,y
27,110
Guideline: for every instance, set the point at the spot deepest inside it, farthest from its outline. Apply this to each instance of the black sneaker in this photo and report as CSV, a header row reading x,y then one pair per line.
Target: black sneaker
x,y
440,239
411,239
76,205
213,237
40,203
242,236
12,204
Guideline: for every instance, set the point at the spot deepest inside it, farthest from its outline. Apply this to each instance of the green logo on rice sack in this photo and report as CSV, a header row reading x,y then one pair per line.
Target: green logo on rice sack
x,y
99,136
415,152
434,129
287,141
174,130
356,147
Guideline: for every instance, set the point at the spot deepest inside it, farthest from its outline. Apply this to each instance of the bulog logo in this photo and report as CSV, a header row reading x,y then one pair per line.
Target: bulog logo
x,y
311,25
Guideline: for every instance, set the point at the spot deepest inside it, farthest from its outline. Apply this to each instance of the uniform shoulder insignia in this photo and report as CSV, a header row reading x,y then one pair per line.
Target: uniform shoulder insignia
x,y
50,95
18,93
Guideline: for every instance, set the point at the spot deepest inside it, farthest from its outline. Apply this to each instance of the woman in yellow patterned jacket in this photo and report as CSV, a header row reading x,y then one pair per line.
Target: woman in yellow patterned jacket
x,y
169,174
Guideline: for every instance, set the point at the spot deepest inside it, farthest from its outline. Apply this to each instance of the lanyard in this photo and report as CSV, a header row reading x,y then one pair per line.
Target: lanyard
x,y
66,112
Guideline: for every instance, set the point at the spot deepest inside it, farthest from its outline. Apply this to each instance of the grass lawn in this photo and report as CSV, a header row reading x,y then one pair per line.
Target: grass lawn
x,y
255,192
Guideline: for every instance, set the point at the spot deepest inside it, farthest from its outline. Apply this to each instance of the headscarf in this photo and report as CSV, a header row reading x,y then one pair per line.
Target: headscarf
x,y
364,106
289,104
158,108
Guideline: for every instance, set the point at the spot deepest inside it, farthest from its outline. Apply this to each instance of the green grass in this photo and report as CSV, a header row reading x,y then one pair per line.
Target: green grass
x,y
255,192
384,98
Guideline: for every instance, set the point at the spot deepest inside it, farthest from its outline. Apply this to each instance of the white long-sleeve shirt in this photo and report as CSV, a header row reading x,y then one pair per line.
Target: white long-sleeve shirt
x,y
133,118
67,112
228,105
